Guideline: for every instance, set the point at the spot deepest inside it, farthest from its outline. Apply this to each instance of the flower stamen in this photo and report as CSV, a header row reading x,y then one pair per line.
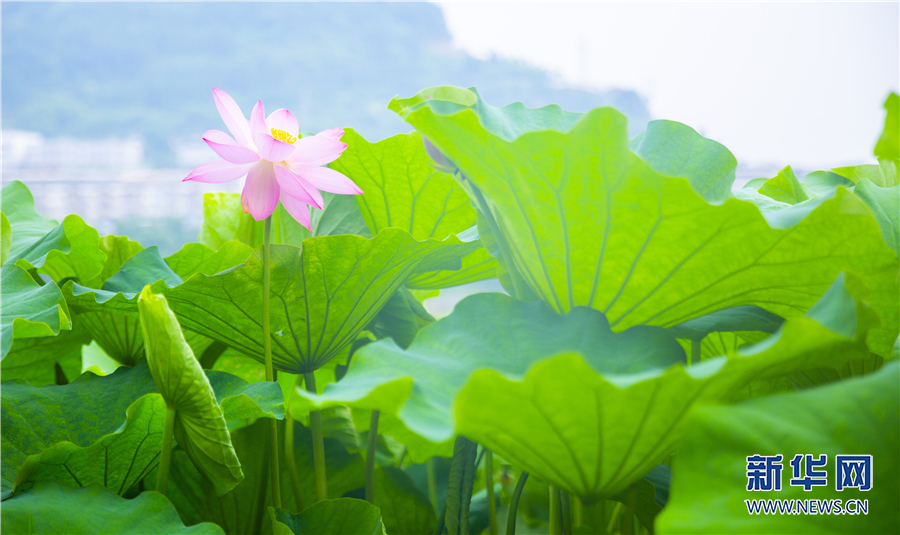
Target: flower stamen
x,y
281,135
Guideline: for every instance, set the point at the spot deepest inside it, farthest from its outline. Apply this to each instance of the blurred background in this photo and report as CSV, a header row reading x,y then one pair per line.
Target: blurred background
x,y
104,104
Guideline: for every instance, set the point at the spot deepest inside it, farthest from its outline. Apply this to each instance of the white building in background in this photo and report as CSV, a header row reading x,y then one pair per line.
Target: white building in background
x,y
105,181
30,150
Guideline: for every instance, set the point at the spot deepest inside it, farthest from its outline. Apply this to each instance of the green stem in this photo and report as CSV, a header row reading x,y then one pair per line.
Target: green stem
x,y
628,520
514,504
165,456
555,512
489,486
577,513
315,424
371,444
614,518
695,352
289,448
594,516
432,483
275,471
566,508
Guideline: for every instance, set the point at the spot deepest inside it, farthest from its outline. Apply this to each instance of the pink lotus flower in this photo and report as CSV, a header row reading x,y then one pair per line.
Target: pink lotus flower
x,y
278,165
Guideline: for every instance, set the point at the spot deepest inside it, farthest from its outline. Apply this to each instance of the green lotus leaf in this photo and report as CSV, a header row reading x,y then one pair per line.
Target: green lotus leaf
x,y
29,310
885,206
225,220
415,388
883,174
196,258
675,149
404,509
50,508
118,249
721,343
118,336
117,461
587,223
242,400
5,238
344,516
360,275
651,493
26,225
200,427
784,187
323,295
339,215
742,318
36,419
71,250
404,190
709,477
40,361
822,183
119,293
593,434
110,312
888,145
242,510
400,318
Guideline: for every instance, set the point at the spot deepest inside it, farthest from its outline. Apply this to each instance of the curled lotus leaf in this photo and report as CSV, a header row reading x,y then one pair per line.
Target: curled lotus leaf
x,y
200,427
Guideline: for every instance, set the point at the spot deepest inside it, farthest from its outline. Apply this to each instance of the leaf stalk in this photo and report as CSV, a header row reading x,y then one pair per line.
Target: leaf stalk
x,y
318,437
371,445
514,504
555,511
165,455
489,487
289,457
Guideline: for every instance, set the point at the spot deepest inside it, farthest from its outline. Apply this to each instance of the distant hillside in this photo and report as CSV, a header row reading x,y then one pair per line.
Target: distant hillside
x,y
98,70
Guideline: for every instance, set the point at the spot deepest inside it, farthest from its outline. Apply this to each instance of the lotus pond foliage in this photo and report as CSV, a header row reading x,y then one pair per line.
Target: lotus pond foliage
x,y
283,374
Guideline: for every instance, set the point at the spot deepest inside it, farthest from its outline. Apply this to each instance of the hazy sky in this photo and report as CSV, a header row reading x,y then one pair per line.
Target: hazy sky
x,y
776,83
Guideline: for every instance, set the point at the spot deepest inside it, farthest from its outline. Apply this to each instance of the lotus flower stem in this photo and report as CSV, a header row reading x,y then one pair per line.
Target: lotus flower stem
x,y
432,484
371,445
489,487
165,455
270,374
514,504
289,447
315,424
555,512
